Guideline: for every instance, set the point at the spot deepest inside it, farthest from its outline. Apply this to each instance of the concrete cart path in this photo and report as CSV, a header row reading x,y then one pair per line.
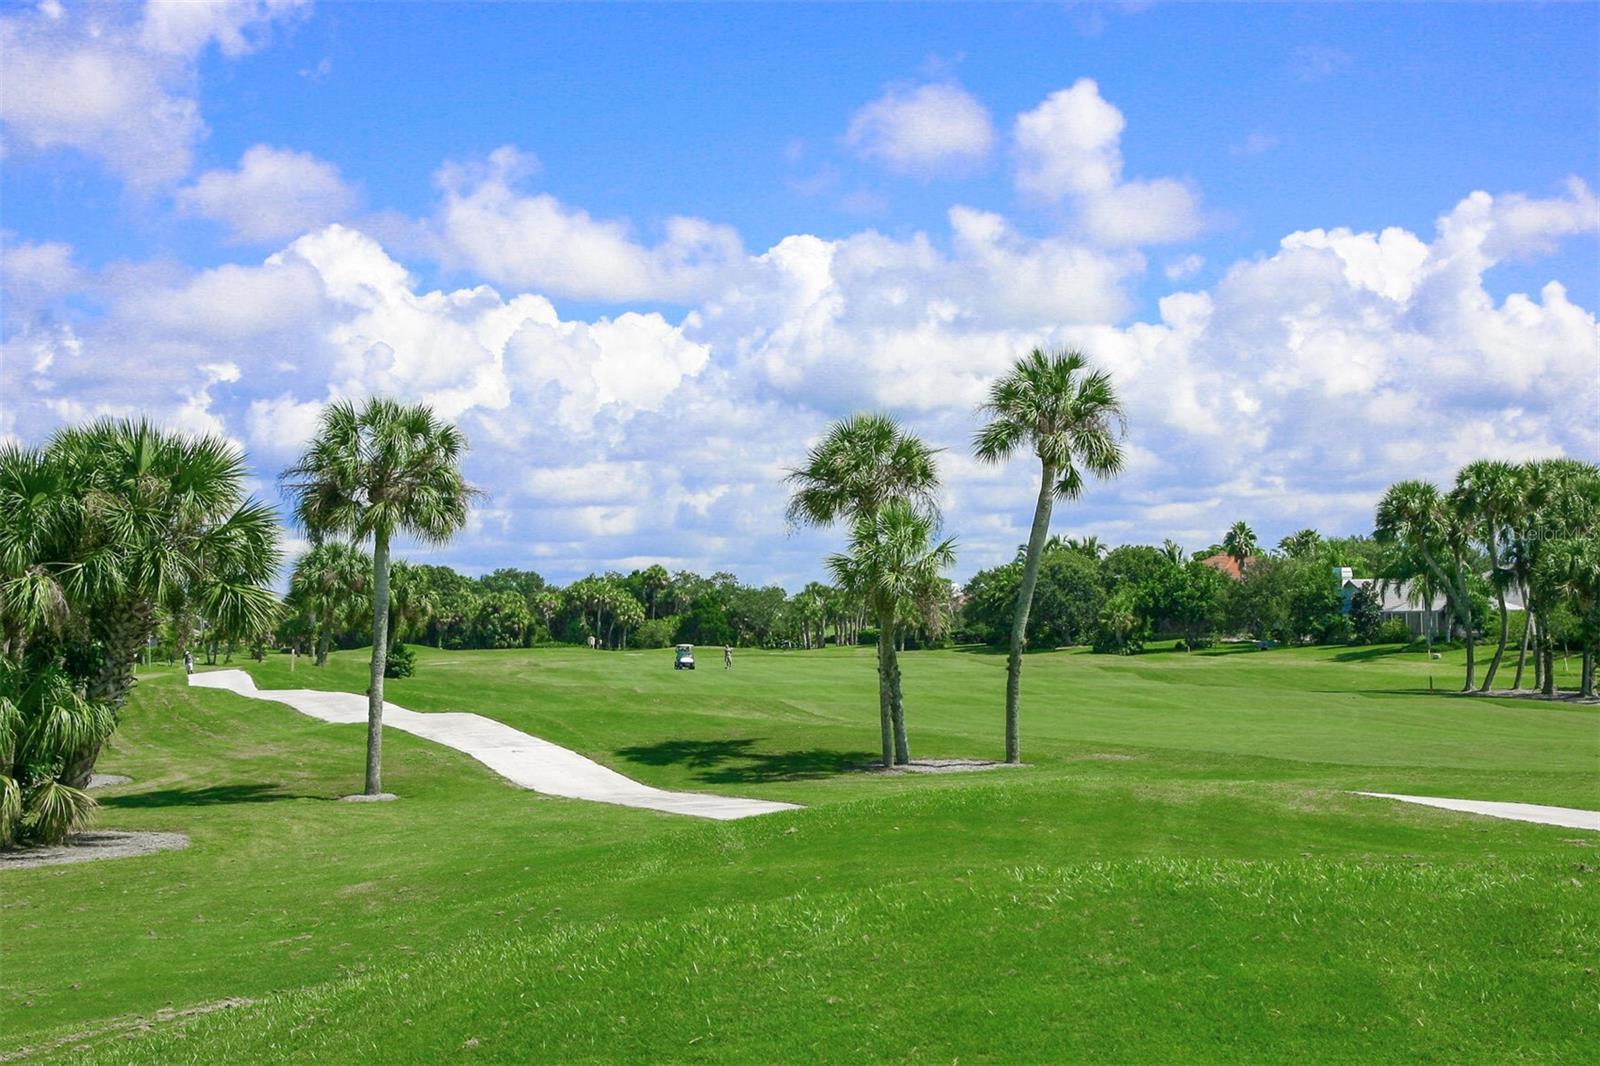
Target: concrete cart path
x,y
1566,817
521,759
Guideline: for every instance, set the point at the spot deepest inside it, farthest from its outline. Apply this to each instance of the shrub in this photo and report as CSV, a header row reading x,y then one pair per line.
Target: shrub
x,y
1394,631
657,633
400,663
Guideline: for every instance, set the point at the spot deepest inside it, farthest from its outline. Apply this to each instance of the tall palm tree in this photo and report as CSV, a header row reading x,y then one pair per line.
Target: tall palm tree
x,y
1491,494
1239,544
656,580
1571,569
1427,527
861,465
1067,413
375,472
896,568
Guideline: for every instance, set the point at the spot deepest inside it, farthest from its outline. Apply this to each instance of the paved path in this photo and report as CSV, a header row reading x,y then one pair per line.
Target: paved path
x,y
521,759
1567,817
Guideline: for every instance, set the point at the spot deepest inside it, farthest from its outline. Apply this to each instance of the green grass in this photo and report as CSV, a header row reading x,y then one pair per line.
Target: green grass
x,y
1180,872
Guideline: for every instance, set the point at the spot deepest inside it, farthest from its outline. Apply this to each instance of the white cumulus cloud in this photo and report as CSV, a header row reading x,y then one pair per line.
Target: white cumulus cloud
x,y
118,84
922,129
272,195
1069,148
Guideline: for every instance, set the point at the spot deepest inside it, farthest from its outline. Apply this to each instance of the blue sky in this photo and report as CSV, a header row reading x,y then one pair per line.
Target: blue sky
x,y
1261,218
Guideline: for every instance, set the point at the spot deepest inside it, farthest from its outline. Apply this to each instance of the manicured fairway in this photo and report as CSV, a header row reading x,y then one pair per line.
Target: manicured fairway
x,y
1180,872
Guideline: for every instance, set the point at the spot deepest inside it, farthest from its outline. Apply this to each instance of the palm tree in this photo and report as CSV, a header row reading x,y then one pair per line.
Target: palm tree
x,y
894,566
1092,547
1571,569
411,602
861,464
44,721
656,580
1428,528
1173,552
1301,544
330,583
375,472
1067,414
1240,544
109,525
1490,494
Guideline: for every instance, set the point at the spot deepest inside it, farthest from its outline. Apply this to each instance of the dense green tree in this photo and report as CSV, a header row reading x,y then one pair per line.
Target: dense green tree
x,y
1366,614
372,473
502,620
1199,603
112,525
1068,415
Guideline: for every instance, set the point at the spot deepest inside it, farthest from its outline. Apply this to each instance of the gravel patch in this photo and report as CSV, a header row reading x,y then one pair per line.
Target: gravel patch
x,y
937,766
107,781
87,847
382,797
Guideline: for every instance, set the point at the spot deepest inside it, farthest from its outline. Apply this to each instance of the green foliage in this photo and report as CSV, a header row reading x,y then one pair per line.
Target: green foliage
x,y
44,721
1394,631
501,620
657,632
1366,615
400,662
1120,629
705,622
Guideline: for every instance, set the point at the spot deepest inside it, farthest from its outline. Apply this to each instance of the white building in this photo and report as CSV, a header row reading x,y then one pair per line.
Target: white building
x,y
1424,617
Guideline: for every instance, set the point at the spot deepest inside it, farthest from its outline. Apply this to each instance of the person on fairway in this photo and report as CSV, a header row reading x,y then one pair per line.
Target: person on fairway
x,y
188,662
727,657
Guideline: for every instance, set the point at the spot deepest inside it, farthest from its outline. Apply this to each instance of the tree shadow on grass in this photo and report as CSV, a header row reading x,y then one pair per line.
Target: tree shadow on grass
x,y
209,796
724,762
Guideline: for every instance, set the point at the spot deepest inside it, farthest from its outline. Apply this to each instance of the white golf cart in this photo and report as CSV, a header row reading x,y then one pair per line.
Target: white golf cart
x,y
684,657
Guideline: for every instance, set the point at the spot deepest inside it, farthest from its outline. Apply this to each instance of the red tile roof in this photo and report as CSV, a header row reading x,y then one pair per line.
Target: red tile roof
x,y
1226,564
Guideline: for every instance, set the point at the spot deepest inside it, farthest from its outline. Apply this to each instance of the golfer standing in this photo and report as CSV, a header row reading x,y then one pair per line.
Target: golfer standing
x,y
727,657
188,661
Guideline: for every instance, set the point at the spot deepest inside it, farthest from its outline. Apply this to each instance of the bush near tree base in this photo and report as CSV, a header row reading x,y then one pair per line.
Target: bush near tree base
x,y
400,662
1394,631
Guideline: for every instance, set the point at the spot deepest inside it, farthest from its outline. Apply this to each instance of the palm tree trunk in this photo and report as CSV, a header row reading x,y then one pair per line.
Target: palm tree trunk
x,y
1019,622
1547,662
380,655
1527,629
126,627
887,636
324,635
1500,648
885,705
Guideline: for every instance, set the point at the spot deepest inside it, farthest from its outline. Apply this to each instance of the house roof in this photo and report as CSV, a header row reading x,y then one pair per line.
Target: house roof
x,y
1227,564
